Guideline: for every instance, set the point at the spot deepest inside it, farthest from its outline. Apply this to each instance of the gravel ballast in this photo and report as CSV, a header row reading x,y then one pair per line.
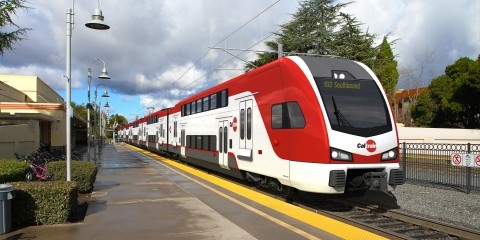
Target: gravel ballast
x,y
433,202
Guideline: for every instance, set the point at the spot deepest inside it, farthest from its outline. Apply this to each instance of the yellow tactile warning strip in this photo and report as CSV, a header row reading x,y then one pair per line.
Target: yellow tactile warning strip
x,y
324,223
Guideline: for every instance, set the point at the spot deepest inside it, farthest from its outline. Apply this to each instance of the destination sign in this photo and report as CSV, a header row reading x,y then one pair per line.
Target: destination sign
x,y
342,84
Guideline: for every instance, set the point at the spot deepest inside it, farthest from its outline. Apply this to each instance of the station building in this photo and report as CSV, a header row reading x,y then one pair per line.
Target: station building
x,y
32,112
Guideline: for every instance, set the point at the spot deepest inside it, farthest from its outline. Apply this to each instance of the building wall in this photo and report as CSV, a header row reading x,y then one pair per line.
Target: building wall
x,y
438,135
20,139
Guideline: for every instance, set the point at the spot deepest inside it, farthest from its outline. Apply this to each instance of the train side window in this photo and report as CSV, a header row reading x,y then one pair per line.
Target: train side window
x,y
249,123
188,142
205,144
213,143
225,138
205,104
224,97
213,101
277,116
220,138
287,115
295,114
242,124
188,109
194,107
199,142
199,105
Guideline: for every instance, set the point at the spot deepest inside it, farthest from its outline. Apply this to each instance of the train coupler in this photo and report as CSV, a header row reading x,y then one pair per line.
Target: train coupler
x,y
376,180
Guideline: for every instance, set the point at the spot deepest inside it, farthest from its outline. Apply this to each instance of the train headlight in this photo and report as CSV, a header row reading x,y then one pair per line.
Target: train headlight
x,y
390,154
336,154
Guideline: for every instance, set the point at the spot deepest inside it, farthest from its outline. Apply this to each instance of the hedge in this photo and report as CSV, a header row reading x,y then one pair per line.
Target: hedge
x,y
84,173
13,170
39,203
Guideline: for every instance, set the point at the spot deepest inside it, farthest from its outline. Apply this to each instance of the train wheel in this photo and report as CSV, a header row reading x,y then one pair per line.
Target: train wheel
x,y
287,192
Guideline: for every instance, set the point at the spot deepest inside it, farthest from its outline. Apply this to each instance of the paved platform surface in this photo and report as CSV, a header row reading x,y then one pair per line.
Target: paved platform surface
x,y
138,197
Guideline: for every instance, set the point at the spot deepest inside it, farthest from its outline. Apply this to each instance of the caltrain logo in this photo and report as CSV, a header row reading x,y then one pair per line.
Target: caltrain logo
x,y
370,145
234,124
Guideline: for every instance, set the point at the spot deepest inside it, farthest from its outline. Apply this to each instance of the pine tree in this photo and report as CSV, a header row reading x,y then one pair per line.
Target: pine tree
x,y
385,67
319,27
8,39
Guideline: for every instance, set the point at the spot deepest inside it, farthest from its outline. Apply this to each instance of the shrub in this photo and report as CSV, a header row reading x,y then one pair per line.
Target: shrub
x,y
13,170
84,173
38,203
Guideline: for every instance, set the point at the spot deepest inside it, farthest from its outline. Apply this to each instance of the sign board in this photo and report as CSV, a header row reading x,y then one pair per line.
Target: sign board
x,y
465,159
456,159
468,160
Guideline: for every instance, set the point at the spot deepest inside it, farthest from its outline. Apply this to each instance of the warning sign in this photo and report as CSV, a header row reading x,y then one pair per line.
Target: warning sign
x,y
468,159
477,160
456,159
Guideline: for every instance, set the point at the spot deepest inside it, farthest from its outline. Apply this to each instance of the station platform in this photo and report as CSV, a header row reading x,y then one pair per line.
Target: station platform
x,y
139,195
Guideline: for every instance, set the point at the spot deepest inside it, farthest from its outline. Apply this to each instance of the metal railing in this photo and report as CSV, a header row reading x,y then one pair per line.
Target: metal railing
x,y
431,163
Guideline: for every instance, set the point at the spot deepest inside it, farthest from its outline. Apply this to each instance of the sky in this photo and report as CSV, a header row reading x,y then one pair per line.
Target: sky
x,y
157,52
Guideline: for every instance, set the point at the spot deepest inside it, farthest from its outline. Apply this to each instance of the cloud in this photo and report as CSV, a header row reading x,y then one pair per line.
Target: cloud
x,y
161,49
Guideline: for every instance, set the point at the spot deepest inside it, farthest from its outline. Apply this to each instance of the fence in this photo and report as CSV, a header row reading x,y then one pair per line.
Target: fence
x,y
431,163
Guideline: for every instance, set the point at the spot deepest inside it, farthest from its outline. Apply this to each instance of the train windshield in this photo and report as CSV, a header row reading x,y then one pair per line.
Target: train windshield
x,y
354,106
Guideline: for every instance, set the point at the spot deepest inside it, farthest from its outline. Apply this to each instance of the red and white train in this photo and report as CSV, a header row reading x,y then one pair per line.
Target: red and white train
x,y
314,124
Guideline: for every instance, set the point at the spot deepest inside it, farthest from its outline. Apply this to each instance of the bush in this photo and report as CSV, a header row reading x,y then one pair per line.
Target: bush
x,y
84,173
38,203
13,170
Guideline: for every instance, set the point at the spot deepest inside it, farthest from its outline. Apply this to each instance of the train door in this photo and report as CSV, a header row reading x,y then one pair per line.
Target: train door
x,y
223,143
245,127
182,140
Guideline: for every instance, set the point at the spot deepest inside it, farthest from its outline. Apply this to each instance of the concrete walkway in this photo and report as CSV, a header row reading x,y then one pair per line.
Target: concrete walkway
x,y
136,197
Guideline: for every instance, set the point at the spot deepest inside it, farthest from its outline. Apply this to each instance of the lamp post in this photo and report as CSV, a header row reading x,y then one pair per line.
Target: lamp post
x,y
96,23
105,95
150,109
104,75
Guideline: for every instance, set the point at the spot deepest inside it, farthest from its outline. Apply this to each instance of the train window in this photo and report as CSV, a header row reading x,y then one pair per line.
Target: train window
x,y
225,138
205,144
224,97
205,104
194,107
277,116
220,139
175,129
183,111
287,115
199,105
188,109
189,144
199,142
295,115
161,132
213,101
249,123
242,124
212,142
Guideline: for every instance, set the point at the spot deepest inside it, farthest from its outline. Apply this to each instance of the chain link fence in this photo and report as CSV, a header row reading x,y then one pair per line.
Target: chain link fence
x,y
431,163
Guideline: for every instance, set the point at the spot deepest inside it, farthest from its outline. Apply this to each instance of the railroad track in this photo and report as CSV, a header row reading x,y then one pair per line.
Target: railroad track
x,y
390,223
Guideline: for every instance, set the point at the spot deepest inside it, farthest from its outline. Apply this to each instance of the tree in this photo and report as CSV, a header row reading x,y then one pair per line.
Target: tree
x,y
8,39
319,27
450,100
385,67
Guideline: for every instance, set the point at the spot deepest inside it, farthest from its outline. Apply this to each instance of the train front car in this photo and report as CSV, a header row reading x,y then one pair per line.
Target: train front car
x,y
353,143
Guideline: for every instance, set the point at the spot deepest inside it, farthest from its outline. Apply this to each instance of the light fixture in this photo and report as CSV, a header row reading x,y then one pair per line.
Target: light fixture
x,y
106,105
105,94
104,74
97,21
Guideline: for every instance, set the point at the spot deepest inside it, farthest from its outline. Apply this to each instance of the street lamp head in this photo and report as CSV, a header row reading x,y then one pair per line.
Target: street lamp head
x,y
97,21
106,105
104,74
105,94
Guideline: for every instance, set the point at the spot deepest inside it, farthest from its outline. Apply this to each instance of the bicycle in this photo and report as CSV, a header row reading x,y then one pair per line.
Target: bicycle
x,y
38,171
